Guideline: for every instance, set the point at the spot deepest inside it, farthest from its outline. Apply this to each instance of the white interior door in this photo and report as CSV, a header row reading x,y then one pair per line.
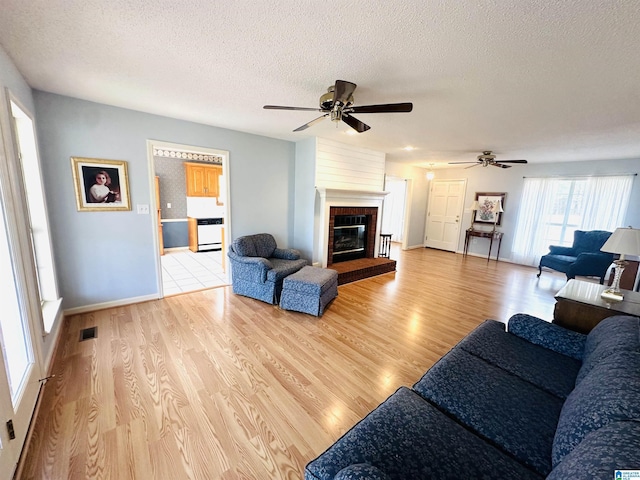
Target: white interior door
x,y
444,214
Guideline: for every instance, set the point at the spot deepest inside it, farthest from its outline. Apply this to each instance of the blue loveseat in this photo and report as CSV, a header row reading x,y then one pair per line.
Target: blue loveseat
x,y
538,401
258,266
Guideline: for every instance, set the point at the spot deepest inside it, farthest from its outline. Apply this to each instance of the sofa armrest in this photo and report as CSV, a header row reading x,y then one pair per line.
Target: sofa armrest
x,y
547,335
286,253
558,250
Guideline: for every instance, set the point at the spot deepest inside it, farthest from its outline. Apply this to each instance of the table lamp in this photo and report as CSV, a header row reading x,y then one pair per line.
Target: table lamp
x,y
475,206
624,241
497,210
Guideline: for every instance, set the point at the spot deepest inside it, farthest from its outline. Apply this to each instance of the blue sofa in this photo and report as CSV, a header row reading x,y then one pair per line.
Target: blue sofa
x,y
583,258
258,266
536,401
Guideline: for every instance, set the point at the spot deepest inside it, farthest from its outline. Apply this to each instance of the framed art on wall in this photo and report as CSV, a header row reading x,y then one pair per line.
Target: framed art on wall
x,y
101,185
486,204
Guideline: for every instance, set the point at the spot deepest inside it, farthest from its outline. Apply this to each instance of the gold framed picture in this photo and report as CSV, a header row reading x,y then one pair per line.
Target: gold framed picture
x,y
101,185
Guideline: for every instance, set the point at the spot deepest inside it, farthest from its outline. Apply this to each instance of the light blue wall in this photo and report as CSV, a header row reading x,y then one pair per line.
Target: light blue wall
x,y
110,256
489,179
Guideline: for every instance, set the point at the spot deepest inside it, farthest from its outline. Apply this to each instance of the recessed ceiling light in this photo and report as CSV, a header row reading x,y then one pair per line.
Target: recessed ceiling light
x,y
350,132
408,148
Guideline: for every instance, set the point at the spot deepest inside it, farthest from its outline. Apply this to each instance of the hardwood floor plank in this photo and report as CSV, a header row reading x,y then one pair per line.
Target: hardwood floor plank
x,y
212,385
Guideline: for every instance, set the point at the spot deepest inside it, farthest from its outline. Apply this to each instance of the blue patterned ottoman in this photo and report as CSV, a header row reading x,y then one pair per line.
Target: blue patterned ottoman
x,y
309,290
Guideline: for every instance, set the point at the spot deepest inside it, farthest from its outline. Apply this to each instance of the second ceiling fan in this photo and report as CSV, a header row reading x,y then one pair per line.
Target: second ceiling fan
x,y
486,158
337,104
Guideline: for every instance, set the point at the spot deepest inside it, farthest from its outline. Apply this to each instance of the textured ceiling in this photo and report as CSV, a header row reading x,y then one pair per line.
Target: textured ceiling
x,y
542,80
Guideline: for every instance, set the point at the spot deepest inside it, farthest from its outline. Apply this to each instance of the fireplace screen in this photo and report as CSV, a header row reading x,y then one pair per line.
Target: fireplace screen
x,y
349,237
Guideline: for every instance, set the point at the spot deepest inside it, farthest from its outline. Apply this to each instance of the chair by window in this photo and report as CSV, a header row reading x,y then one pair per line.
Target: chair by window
x,y
584,258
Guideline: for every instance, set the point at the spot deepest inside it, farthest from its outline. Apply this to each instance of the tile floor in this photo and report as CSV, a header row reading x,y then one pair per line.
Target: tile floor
x,y
185,271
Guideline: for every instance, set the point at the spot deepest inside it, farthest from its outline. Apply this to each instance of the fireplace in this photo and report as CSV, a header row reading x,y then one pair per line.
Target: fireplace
x,y
349,237
352,233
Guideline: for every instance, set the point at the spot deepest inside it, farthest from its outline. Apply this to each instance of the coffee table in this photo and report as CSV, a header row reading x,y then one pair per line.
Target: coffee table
x,y
580,308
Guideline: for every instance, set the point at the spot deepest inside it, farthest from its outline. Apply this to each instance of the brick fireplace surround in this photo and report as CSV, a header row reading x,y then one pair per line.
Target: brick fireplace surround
x,y
372,221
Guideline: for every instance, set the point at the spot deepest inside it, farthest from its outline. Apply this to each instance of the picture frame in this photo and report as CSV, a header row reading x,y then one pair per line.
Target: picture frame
x,y
101,185
486,201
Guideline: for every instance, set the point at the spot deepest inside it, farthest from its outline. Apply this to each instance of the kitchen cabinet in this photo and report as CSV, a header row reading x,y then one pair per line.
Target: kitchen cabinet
x,y
202,179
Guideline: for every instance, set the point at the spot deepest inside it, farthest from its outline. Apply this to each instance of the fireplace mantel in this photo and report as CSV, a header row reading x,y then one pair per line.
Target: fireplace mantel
x,y
334,197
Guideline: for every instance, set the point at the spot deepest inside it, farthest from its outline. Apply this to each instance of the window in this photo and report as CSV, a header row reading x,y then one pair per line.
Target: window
x,y
38,223
553,208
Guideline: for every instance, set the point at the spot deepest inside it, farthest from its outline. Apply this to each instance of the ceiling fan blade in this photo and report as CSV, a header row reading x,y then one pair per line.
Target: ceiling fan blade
x,y
457,163
384,108
342,91
312,122
471,165
279,107
511,161
355,123
497,164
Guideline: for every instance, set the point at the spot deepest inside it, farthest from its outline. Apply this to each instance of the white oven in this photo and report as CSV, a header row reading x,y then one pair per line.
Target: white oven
x,y
210,233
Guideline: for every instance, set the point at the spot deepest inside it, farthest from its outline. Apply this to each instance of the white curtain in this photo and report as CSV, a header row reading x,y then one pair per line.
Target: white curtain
x,y
606,202
604,208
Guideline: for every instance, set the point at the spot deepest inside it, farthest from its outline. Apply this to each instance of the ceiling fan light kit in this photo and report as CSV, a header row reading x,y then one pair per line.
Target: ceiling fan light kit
x,y
487,158
337,104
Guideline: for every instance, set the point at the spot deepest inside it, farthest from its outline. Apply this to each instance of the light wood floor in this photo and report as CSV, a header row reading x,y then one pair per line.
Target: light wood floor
x,y
211,385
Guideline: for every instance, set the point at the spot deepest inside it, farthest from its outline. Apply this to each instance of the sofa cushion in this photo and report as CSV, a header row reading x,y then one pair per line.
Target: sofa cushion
x,y
244,246
547,335
613,447
508,411
545,368
611,335
407,438
608,393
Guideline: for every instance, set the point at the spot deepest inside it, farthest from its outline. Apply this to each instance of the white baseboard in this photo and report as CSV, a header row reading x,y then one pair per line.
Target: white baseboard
x,y
412,247
115,303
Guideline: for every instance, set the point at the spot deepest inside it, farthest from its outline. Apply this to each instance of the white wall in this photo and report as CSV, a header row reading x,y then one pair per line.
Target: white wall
x,y
304,224
104,257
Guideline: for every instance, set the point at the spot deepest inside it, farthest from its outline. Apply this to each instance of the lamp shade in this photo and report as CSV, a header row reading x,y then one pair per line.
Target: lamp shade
x,y
475,206
625,241
497,207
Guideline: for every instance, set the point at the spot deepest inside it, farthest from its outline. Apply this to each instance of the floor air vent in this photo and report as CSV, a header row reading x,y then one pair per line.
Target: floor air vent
x,y
88,333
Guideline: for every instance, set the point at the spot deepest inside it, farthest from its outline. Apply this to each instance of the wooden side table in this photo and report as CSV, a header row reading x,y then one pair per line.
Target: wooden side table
x,y
580,308
481,234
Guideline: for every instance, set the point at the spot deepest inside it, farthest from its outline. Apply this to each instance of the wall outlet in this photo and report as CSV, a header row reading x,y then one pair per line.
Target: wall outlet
x,y
143,209
168,205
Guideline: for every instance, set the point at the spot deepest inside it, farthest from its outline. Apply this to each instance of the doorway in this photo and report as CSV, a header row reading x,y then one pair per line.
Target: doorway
x,y
394,208
444,214
184,263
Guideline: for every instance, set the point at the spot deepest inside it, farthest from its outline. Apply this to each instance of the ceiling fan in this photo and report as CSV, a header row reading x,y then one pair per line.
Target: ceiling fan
x,y
487,158
337,104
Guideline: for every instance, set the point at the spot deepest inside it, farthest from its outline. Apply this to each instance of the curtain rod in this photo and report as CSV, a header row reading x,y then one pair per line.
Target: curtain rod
x,y
586,176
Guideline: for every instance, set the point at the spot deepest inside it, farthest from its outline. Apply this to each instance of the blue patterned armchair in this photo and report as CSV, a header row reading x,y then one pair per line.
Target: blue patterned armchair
x,y
584,258
258,267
